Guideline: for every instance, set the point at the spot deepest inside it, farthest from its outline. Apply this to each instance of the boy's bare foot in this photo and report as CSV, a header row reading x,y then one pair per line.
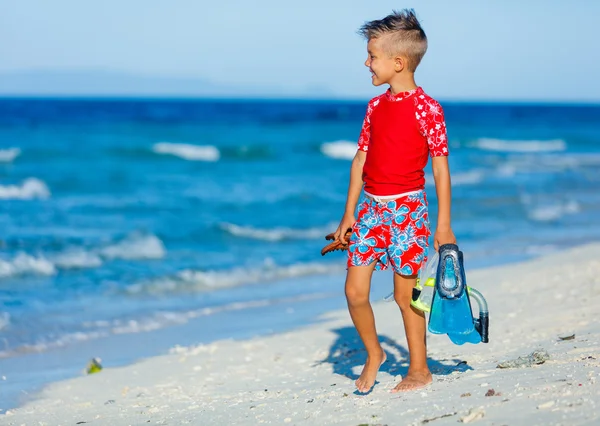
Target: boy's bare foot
x,y
369,373
413,381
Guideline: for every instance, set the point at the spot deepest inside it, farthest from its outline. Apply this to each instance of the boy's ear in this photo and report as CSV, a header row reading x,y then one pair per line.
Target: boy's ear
x,y
399,63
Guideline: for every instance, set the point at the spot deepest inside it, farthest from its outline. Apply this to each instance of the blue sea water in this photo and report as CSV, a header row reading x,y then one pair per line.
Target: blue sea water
x,y
133,217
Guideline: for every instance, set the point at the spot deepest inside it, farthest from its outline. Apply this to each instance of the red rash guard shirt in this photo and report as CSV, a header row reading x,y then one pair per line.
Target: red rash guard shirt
x,y
399,134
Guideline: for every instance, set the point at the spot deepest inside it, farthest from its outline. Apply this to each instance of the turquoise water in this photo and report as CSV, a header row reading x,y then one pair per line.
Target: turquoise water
x,y
125,217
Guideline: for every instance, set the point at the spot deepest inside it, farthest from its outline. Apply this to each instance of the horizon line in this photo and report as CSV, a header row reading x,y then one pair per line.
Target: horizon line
x,y
266,97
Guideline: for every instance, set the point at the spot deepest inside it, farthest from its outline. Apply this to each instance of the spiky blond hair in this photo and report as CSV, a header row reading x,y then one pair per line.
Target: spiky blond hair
x,y
401,33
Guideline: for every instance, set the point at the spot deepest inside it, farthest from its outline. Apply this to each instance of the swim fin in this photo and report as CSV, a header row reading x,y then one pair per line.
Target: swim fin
x,y
473,336
451,308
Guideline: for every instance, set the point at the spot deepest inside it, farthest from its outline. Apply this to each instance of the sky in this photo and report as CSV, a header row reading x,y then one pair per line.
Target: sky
x,y
525,50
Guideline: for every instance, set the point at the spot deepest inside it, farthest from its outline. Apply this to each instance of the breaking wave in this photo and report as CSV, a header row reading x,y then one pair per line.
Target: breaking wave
x,y
24,264
4,320
134,247
521,146
276,234
8,155
549,163
187,151
553,212
339,150
471,177
30,188
77,259
92,330
189,280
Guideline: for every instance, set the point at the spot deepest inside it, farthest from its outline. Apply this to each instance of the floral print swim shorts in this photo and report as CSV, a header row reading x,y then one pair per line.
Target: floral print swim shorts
x,y
395,232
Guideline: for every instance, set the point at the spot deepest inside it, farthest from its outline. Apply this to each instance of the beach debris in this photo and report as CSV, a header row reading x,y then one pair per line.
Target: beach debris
x,y
583,359
492,392
425,421
94,366
545,405
474,415
534,358
465,394
569,337
110,401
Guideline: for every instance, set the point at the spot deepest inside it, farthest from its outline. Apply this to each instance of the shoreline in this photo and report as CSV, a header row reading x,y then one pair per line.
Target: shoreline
x,y
305,376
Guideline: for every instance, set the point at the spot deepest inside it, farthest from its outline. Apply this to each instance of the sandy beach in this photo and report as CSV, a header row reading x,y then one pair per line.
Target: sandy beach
x,y
306,376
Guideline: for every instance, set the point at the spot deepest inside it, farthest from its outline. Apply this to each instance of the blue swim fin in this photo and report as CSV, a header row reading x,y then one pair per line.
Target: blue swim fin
x,y
451,308
473,336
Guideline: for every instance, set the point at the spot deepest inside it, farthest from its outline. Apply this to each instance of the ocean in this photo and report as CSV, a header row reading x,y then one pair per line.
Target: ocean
x,y
125,222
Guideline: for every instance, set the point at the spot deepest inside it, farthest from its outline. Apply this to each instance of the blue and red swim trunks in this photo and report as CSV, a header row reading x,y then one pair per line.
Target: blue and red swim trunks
x,y
395,232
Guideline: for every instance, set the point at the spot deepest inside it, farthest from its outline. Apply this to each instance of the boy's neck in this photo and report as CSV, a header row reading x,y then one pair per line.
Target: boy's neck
x,y
405,84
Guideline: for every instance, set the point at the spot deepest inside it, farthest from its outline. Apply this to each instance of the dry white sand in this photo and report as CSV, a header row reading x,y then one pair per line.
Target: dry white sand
x,y
306,376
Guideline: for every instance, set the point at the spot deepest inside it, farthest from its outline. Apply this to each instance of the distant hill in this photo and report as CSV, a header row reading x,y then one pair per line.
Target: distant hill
x,y
112,83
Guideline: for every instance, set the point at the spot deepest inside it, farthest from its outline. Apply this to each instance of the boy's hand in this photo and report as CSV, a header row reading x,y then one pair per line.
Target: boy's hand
x,y
443,236
347,222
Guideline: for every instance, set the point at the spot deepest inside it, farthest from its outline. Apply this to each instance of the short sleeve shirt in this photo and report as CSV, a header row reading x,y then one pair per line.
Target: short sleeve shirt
x,y
428,114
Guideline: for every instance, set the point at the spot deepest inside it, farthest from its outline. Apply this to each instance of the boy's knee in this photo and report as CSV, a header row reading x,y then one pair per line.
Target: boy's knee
x,y
403,300
356,296
403,292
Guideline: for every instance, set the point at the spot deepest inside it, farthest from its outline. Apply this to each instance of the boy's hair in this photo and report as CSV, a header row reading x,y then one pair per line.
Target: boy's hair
x,y
403,35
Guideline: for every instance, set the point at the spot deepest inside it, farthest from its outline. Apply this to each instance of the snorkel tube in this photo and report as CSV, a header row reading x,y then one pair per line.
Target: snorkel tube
x,y
482,324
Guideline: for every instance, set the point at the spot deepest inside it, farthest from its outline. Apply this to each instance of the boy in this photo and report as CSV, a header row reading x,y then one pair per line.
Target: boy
x,y
402,127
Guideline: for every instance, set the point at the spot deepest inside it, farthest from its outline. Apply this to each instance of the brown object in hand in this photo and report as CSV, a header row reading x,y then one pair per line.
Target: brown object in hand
x,y
336,245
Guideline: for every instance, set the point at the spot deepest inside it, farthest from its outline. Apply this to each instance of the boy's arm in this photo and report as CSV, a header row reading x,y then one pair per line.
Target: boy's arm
x,y
441,175
354,189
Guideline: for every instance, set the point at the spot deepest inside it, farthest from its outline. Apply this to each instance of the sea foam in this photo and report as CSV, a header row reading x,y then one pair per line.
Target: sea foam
x,y
136,247
187,151
77,259
276,234
546,163
190,280
8,155
30,188
24,264
4,320
43,344
133,247
340,150
97,329
551,212
470,177
521,146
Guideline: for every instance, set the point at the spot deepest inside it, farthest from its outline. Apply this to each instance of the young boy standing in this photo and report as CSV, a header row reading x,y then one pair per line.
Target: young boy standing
x,y
402,128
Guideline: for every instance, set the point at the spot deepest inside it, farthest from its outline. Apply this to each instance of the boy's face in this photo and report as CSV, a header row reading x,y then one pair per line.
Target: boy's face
x,y
381,65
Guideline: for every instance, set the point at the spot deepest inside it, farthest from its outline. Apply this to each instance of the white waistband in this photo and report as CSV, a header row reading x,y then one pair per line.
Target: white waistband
x,y
386,198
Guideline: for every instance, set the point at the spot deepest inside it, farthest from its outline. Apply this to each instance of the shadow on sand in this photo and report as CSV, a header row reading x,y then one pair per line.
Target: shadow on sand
x,y
347,352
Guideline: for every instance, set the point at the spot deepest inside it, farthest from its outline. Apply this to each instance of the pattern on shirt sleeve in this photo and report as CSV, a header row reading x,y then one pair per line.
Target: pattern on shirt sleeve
x,y
430,116
365,133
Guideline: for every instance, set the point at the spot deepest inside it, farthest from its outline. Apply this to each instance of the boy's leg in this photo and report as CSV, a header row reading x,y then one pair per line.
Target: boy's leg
x,y
358,286
418,374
